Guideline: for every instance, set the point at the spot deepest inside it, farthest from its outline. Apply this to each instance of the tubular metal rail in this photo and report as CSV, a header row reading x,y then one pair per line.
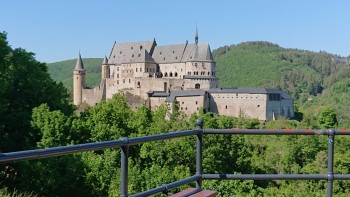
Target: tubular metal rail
x,y
124,144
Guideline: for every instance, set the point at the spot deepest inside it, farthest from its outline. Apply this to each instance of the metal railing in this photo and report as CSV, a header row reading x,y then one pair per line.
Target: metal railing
x,y
124,144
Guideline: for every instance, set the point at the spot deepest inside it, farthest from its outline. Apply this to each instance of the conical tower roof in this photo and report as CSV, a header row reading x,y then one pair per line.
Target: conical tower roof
x,y
79,65
105,61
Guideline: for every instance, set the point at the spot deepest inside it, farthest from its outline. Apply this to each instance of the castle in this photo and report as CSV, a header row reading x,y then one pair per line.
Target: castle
x,y
181,73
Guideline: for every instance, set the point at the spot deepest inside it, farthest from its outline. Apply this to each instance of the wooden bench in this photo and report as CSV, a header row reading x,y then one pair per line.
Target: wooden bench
x,y
187,192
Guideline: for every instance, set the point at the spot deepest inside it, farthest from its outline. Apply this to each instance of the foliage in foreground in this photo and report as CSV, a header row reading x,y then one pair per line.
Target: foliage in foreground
x,y
152,164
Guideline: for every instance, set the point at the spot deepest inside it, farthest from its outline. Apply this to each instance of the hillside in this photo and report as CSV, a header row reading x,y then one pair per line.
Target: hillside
x,y
63,71
315,79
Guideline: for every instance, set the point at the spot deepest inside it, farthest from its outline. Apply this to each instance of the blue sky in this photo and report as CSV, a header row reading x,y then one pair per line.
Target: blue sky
x,y
58,30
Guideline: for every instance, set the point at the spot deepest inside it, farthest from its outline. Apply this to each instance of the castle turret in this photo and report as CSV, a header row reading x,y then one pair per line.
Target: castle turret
x,y
105,68
78,81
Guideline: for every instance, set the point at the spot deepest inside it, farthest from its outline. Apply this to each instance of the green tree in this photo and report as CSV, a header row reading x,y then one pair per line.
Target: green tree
x,y
25,85
327,118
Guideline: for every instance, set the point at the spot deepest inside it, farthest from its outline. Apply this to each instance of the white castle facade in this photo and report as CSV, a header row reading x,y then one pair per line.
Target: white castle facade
x,y
181,73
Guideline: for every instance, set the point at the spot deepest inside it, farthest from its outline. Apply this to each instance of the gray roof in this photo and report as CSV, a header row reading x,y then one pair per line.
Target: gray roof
x,y
132,52
199,77
148,51
184,93
158,93
79,64
197,52
169,53
284,95
105,61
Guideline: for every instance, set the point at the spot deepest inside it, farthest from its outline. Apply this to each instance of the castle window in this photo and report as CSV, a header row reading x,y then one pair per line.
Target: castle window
x,y
113,56
258,105
274,97
146,69
181,108
208,73
136,69
132,55
139,55
117,75
129,80
140,69
117,68
226,107
138,84
176,57
165,74
123,80
120,52
140,47
175,74
183,102
196,102
197,86
195,64
171,74
185,108
164,58
160,53
173,52
132,48
191,57
117,81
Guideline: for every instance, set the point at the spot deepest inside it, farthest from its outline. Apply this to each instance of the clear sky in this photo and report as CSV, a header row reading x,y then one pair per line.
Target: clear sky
x,y
57,30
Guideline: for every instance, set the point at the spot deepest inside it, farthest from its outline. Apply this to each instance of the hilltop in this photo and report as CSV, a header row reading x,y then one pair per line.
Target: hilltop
x,y
315,79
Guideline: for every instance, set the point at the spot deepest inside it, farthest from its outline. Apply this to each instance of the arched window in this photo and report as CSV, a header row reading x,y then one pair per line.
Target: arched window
x,y
171,74
165,74
190,73
160,74
197,86
175,74
208,73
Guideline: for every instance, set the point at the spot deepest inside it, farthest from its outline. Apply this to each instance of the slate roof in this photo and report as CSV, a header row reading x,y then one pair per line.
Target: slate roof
x,y
197,52
284,95
199,77
79,64
148,51
132,52
184,93
169,53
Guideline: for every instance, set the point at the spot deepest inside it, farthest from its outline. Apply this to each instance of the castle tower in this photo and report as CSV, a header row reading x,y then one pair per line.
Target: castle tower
x,y
78,81
105,68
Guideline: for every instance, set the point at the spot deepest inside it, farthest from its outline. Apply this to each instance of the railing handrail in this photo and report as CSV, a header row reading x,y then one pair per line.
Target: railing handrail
x,y
124,143
70,149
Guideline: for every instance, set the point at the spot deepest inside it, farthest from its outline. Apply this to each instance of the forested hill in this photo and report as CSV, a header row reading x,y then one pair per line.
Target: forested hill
x,y
263,64
63,71
315,79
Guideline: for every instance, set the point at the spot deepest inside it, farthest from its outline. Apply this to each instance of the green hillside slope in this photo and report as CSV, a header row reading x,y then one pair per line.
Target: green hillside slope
x,y
316,79
63,71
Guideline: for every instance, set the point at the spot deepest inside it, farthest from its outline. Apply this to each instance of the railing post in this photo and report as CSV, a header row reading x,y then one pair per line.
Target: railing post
x,y
330,162
199,171
124,154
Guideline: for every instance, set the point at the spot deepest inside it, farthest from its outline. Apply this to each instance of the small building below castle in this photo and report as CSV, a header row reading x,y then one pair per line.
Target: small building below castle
x,y
183,74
